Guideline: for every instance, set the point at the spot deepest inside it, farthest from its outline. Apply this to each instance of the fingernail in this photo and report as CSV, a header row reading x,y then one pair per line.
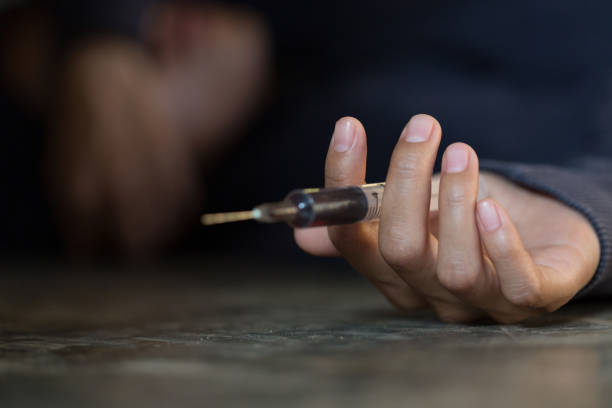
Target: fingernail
x,y
455,159
419,129
488,215
344,136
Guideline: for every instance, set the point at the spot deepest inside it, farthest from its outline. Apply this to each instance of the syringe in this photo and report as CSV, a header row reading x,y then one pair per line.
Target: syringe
x,y
318,207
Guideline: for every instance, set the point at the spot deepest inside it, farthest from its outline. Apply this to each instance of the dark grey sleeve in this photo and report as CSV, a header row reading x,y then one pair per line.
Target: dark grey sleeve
x,y
586,186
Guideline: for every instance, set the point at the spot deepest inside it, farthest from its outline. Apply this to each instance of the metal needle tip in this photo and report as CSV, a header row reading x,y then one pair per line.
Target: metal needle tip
x,y
224,218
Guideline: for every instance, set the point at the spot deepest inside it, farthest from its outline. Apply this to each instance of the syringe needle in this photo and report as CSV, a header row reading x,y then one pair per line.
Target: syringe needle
x,y
224,218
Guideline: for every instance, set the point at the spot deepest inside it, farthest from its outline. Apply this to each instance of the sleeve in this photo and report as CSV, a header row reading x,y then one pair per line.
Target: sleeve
x,y
584,185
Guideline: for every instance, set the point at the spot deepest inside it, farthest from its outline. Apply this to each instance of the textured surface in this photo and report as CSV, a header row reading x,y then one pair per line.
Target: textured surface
x,y
302,339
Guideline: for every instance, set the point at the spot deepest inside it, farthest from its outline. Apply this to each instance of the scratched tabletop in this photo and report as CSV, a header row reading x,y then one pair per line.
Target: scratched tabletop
x,y
214,334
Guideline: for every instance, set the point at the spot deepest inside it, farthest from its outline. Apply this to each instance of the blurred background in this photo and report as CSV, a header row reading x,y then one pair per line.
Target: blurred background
x,y
121,122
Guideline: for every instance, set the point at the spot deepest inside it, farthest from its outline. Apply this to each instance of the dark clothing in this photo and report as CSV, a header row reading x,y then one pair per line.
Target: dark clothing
x,y
525,83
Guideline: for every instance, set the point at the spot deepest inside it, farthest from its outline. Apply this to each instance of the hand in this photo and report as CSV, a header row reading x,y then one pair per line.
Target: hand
x,y
513,255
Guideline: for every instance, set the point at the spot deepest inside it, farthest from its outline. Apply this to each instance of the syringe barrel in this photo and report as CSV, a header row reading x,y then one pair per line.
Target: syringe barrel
x,y
335,206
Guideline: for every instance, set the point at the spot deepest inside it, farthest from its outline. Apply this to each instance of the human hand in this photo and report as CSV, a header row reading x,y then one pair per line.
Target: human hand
x,y
510,256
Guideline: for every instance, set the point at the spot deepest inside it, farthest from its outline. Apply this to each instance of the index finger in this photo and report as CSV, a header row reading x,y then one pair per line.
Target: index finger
x,y
358,243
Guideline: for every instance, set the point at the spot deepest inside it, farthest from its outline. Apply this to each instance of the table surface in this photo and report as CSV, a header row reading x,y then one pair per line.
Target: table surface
x,y
173,336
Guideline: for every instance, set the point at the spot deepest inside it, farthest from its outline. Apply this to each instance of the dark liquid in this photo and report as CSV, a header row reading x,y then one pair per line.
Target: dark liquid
x,y
328,207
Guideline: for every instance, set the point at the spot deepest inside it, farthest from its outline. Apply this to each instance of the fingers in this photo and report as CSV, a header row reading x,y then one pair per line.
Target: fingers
x,y
346,157
405,239
520,278
346,166
358,243
460,265
464,258
401,255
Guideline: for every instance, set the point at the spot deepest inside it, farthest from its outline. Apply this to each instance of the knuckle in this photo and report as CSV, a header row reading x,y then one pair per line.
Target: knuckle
x,y
403,251
455,196
457,276
406,165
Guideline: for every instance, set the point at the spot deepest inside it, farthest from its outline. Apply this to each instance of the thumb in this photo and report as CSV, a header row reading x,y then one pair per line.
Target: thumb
x,y
315,241
345,166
